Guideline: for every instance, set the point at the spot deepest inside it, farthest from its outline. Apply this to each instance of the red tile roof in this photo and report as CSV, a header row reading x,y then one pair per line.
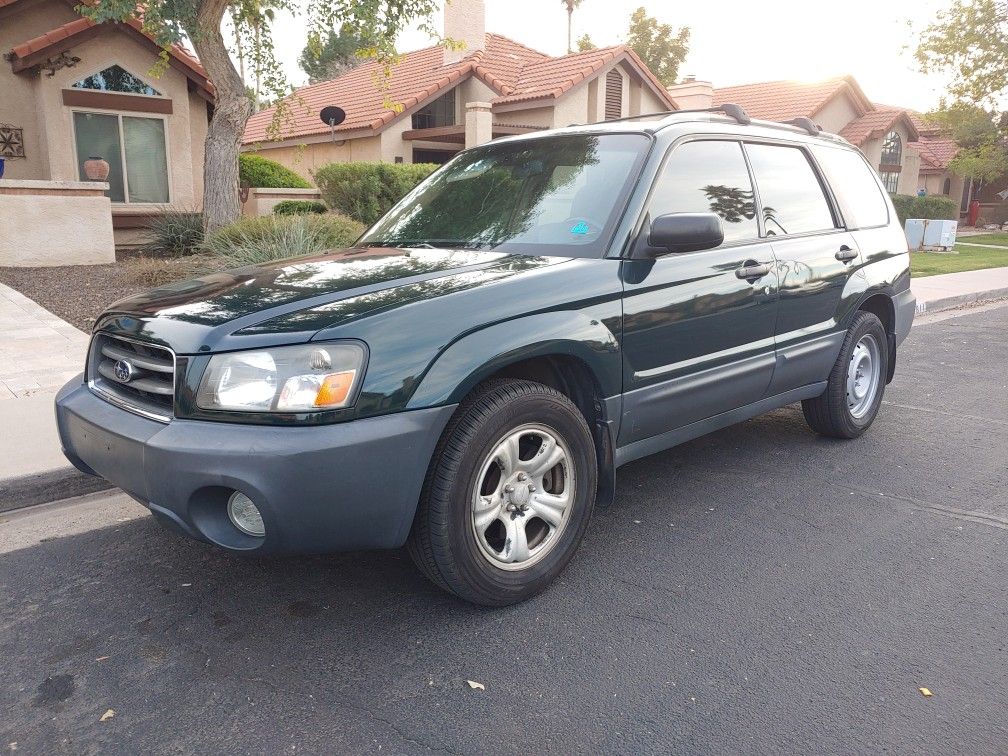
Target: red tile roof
x,y
58,36
784,100
876,124
515,72
936,153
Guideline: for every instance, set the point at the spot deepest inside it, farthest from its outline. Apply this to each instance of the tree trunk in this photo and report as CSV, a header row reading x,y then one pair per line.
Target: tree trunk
x,y
231,111
570,21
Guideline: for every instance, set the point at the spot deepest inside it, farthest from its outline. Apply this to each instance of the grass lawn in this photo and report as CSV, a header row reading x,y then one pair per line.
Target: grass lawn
x,y
986,239
969,258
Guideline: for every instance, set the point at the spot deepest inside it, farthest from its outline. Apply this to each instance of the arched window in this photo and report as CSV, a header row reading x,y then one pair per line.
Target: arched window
x,y
117,79
947,187
892,149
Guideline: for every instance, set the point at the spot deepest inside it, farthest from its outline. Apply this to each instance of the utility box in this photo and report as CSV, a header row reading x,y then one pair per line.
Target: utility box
x,y
930,234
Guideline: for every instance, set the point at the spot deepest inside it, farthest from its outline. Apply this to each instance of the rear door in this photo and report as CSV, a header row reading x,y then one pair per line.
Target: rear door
x,y
697,337
815,259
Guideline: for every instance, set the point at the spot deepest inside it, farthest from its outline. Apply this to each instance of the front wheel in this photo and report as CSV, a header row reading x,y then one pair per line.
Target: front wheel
x,y
856,384
509,495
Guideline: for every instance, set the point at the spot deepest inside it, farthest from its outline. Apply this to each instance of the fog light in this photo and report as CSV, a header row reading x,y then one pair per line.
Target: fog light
x,y
245,515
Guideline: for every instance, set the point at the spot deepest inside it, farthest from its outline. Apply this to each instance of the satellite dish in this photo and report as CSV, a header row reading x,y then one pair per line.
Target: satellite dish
x,y
332,116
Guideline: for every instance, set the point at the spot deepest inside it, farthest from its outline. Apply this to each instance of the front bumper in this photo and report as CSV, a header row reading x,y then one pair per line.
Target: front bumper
x,y
352,485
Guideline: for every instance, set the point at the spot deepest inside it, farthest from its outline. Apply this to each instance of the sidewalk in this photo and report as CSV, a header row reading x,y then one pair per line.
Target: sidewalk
x,y
935,293
39,352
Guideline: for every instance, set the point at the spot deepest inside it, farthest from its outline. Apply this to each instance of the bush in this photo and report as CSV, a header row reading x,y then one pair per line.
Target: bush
x,y
299,207
274,237
263,173
366,191
151,272
931,207
175,233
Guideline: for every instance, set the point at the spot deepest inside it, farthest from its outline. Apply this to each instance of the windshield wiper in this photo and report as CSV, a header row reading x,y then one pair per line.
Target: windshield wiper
x,y
427,243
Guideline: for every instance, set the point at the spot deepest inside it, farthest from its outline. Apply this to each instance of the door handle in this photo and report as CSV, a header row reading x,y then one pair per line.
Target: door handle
x,y
846,254
752,271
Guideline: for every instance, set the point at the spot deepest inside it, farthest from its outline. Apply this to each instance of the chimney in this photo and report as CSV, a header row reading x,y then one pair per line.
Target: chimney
x,y
464,21
692,94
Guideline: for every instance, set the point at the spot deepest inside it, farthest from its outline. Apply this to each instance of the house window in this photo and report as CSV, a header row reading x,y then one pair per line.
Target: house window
x,y
117,79
613,95
134,147
890,180
440,112
947,187
892,149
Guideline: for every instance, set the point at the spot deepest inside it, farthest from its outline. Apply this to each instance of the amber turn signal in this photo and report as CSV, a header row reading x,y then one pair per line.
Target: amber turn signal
x,y
335,388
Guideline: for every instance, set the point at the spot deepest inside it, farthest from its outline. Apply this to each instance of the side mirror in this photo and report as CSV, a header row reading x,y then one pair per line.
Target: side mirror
x,y
684,232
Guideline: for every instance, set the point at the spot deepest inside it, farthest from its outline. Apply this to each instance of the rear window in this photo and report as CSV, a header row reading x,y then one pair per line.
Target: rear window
x,y
790,194
855,186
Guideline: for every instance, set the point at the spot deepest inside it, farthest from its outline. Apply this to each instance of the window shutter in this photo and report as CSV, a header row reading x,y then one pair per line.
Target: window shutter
x,y
613,94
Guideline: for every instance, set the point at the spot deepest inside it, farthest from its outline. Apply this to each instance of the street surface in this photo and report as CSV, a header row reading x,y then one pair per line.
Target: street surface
x,y
756,590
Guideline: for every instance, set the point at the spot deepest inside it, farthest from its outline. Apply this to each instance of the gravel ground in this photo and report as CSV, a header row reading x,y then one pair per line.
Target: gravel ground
x,y
77,293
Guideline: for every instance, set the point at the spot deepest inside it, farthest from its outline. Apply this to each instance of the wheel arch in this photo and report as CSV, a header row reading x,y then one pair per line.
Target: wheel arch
x,y
881,305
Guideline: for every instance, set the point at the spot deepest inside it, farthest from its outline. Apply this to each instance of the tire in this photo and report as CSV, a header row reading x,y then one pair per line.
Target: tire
x,y
843,412
482,541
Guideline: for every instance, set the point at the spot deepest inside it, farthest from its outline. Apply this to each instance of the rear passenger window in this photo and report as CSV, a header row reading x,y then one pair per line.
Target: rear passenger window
x,y
790,193
855,187
709,177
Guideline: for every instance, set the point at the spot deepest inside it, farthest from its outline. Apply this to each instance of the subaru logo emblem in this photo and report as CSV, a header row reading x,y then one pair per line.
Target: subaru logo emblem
x,y
123,371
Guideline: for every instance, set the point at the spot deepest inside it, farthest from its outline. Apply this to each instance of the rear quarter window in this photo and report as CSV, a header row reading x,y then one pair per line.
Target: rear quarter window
x,y
855,186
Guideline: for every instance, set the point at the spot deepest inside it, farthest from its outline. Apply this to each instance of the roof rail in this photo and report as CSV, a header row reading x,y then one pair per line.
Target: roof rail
x,y
733,111
807,124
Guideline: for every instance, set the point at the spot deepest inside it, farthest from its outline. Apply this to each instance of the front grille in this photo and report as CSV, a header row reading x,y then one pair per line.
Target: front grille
x,y
137,376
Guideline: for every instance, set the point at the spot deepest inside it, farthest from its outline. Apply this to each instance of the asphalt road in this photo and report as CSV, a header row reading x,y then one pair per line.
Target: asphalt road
x,y
756,590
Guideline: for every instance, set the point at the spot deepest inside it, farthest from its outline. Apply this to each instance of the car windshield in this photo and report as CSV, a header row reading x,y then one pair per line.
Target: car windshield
x,y
556,195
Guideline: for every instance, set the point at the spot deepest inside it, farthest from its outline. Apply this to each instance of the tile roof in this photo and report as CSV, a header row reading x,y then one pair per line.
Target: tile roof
x,y
936,153
54,37
876,124
515,72
784,100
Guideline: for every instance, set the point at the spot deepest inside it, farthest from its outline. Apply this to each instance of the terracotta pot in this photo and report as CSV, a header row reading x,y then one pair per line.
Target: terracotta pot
x,y
96,169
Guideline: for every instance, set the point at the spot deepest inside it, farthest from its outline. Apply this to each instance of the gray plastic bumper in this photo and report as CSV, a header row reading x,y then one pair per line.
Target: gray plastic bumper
x,y
351,485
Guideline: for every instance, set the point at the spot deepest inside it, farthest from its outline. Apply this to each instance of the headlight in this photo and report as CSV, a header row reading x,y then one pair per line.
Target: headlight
x,y
303,378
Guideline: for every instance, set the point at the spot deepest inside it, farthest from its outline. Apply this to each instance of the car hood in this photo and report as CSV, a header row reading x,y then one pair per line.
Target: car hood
x,y
277,302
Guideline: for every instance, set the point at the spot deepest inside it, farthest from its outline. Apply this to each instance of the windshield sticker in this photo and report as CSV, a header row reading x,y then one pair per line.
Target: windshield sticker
x,y
581,228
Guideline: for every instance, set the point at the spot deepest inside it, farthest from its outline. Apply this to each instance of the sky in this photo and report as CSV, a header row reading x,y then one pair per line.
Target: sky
x,y
731,42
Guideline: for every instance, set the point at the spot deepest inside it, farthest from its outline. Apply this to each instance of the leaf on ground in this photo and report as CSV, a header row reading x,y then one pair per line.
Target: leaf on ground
x,y
926,692
107,715
475,685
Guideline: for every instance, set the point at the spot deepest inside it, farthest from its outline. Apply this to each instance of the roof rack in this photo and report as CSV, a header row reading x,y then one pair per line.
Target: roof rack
x,y
807,124
733,111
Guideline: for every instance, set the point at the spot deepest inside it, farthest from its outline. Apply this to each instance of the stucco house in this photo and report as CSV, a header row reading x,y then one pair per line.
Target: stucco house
x,y
71,89
453,99
908,154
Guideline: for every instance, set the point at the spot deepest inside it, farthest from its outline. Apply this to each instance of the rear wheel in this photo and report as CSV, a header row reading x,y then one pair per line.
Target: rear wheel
x,y
509,495
856,384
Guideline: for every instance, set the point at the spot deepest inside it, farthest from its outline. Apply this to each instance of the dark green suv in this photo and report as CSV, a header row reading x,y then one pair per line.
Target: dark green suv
x,y
469,376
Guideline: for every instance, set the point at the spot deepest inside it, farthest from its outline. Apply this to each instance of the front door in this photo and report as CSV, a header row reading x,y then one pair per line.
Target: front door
x,y
815,258
697,338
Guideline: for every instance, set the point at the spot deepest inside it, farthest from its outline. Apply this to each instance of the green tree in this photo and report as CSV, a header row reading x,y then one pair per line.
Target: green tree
x,y
981,135
584,43
171,21
969,42
570,5
335,55
660,46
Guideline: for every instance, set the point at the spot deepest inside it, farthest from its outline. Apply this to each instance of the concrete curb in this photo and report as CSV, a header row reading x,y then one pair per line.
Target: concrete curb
x,y
44,487
959,300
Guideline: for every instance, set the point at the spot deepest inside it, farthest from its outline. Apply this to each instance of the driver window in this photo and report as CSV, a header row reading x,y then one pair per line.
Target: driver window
x,y
709,177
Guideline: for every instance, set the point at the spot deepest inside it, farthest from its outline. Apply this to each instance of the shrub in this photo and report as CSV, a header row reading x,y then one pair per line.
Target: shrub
x,y
263,173
299,207
931,207
275,237
175,233
151,272
366,191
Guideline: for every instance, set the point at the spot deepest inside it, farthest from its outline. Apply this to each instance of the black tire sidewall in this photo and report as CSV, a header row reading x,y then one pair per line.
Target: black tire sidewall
x,y
867,323
493,584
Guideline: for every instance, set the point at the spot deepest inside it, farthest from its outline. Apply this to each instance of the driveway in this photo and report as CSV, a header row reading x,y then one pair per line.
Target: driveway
x,y
759,589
